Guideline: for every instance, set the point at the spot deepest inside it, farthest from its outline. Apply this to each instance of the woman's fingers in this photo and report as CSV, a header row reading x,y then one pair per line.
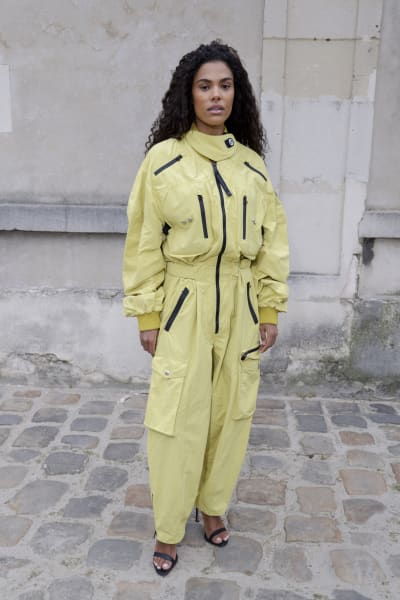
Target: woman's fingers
x,y
268,335
148,339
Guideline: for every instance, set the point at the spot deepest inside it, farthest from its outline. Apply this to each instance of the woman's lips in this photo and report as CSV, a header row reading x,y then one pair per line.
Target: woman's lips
x,y
216,110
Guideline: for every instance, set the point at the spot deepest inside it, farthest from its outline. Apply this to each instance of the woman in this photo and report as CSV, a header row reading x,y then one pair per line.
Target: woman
x,y
205,268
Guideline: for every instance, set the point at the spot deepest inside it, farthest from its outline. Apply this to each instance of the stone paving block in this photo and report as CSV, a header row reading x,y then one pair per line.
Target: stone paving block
x,y
348,595
23,454
201,588
12,476
356,567
265,462
241,554
261,491
57,538
138,526
273,403
138,495
106,479
4,433
342,407
130,432
268,416
316,499
91,424
383,418
279,595
132,417
312,423
38,436
10,420
275,439
311,529
64,463
317,471
10,563
306,407
360,482
85,442
359,510
395,450
114,554
349,420
126,590
251,519
50,415
290,562
392,433
32,595
16,405
38,496
27,394
354,438
61,398
97,407
317,444
13,529
396,471
394,565
84,508
123,452
73,588
383,408
363,458
194,535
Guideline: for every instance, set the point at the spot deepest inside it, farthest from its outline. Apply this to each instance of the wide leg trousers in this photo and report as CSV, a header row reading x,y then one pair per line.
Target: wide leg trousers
x,y
203,391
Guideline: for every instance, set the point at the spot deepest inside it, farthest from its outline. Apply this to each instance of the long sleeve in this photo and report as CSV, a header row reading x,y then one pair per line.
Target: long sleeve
x,y
143,263
271,266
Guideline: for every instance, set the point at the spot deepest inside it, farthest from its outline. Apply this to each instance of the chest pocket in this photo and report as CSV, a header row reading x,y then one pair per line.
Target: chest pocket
x,y
251,217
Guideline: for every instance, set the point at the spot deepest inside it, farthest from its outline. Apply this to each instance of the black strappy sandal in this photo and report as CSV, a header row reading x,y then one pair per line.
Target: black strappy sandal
x,y
213,534
168,558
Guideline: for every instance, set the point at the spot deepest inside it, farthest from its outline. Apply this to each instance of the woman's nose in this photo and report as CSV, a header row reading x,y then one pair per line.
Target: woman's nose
x,y
215,93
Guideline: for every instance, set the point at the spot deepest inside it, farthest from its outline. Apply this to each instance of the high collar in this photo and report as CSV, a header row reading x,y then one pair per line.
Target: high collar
x,y
214,147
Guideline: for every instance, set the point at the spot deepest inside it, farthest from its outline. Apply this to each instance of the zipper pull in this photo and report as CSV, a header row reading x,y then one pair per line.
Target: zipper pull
x,y
247,352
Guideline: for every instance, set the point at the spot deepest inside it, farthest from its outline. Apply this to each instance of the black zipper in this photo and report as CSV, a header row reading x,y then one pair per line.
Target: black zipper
x,y
177,308
168,164
252,311
255,170
245,354
221,185
203,216
244,216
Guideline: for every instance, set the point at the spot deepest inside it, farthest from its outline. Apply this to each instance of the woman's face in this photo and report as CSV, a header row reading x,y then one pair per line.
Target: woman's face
x,y
213,92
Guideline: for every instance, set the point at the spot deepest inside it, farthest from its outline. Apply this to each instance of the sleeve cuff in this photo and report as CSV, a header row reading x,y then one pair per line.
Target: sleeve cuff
x,y
268,315
149,321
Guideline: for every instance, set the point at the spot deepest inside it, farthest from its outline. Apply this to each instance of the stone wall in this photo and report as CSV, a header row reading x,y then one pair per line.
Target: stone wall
x,y
80,84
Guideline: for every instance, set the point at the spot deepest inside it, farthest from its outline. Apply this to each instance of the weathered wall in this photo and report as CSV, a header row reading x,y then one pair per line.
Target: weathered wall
x,y
80,84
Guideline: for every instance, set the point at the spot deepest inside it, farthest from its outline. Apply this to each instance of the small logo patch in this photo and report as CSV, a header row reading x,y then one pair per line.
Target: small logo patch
x,y
229,142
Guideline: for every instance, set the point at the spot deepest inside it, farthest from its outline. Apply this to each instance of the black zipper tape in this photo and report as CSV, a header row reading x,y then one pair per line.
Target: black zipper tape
x,y
220,186
177,308
251,309
168,164
255,170
244,355
203,216
244,216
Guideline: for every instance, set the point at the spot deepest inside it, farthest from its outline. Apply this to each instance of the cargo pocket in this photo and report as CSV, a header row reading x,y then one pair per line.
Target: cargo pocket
x,y
249,379
165,394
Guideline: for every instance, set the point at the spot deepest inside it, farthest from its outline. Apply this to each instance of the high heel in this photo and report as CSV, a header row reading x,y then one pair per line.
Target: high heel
x,y
197,516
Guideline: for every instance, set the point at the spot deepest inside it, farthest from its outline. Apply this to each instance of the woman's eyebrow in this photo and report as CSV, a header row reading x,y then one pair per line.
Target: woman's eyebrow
x,y
210,81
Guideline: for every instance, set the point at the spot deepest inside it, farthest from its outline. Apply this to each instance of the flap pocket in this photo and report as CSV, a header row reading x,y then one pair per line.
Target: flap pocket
x,y
165,394
249,379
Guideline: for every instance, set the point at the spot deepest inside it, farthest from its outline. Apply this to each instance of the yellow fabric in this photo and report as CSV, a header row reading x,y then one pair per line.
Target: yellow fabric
x,y
268,315
149,321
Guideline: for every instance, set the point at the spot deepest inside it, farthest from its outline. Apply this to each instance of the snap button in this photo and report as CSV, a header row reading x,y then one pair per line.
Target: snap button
x,y
167,372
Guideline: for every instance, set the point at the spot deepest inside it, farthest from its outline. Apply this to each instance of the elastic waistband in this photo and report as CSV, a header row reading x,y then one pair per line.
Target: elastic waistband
x,y
206,270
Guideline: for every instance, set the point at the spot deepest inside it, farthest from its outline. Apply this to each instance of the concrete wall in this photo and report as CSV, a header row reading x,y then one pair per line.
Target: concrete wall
x,y
80,84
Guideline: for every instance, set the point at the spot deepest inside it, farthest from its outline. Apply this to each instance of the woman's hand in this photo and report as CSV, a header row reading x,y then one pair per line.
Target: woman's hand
x,y
148,339
268,335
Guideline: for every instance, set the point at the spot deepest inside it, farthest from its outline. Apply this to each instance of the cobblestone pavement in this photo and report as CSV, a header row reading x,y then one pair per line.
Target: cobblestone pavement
x,y
316,513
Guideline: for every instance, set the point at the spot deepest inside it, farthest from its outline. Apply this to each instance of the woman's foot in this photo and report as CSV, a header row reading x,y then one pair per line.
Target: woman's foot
x,y
161,564
211,526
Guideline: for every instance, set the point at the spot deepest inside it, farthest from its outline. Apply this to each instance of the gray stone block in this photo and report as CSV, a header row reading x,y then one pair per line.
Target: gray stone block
x,y
38,496
97,407
10,420
348,595
132,525
106,479
65,463
395,450
394,564
290,562
384,418
13,529
272,438
16,405
85,442
9,563
114,554
89,424
73,588
12,476
265,462
317,444
383,408
36,437
312,423
24,455
306,407
317,471
50,415
123,452
349,420
4,433
251,519
201,588
342,407
32,595
241,554
57,538
261,491
359,510
83,508
132,417
278,595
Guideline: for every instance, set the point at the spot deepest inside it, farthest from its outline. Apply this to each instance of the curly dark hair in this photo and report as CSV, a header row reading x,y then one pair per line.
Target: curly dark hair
x,y
177,113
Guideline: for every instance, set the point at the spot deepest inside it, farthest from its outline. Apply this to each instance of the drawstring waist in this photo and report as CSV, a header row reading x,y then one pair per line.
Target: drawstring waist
x,y
206,270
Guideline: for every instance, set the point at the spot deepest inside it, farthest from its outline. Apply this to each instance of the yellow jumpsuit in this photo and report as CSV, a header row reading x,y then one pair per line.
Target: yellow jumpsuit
x,y
206,260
